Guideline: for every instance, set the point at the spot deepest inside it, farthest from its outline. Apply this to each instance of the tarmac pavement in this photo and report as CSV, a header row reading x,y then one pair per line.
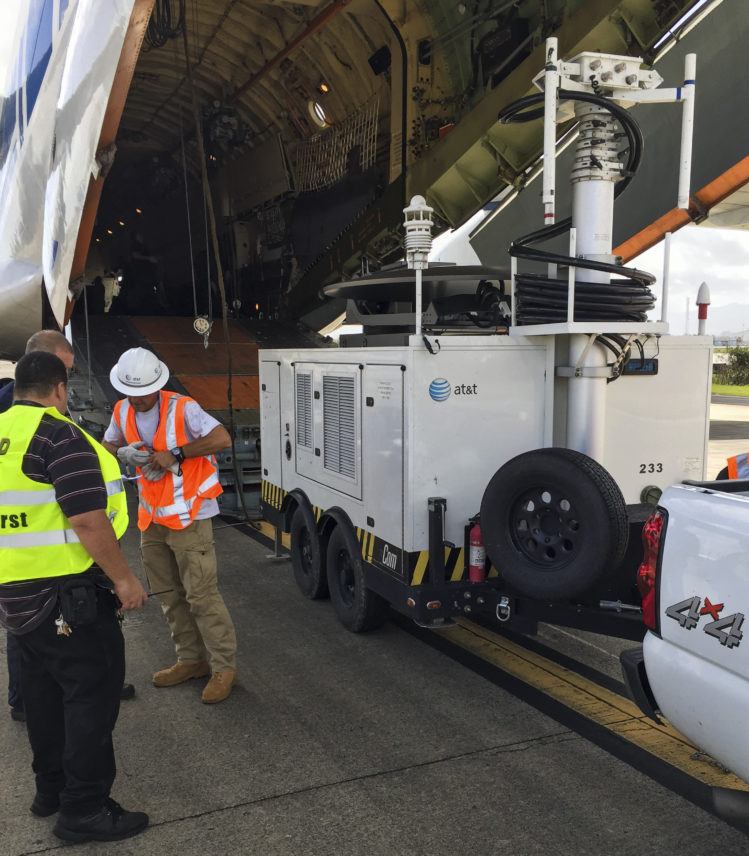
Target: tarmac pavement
x,y
339,744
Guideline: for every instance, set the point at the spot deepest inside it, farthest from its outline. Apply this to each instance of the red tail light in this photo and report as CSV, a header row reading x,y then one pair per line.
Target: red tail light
x,y
648,570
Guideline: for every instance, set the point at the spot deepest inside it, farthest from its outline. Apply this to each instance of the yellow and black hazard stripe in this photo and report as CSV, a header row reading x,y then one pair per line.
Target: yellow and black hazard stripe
x,y
456,568
272,495
380,553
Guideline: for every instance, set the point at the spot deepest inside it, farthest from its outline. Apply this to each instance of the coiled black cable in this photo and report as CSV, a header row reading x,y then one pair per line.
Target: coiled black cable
x,y
165,23
542,300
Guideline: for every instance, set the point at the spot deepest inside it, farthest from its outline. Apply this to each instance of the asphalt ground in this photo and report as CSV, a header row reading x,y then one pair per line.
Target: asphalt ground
x,y
398,742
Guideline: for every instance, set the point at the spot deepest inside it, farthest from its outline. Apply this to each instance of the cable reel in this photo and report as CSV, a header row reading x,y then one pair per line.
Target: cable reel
x,y
202,326
542,299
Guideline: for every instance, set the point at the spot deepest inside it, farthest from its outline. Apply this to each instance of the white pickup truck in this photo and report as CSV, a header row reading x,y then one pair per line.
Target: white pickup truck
x,y
693,666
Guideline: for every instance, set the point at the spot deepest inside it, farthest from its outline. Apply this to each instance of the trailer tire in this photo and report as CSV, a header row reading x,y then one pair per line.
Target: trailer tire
x,y
553,521
306,555
358,608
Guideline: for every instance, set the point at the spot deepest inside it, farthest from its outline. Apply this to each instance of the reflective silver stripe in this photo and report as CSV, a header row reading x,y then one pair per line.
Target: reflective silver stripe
x,y
177,508
171,423
39,539
27,497
124,410
178,488
184,517
742,466
209,482
113,487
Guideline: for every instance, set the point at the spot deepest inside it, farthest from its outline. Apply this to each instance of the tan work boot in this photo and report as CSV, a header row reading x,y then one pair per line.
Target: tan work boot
x,y
181,671
219,687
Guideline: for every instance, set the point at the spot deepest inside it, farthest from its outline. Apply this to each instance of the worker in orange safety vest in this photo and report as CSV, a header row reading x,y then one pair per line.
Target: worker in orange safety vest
x,y
171,442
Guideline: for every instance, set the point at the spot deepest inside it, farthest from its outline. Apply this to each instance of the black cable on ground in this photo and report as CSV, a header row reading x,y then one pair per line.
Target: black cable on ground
x,y
540,299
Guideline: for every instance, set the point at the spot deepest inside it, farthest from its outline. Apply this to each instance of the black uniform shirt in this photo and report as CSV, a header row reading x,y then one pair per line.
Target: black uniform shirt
x,y
59,455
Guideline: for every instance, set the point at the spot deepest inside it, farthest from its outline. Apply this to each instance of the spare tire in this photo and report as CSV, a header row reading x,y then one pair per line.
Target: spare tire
x,y
553,522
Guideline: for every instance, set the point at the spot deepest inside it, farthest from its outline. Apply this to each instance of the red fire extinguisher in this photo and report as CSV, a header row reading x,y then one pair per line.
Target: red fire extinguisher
x,y
476,554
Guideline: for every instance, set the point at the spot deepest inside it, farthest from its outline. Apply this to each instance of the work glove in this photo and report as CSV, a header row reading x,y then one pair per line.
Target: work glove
x,y
133,455
153,472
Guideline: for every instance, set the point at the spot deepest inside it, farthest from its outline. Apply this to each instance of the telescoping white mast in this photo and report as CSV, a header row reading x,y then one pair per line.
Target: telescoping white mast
x,y
601,87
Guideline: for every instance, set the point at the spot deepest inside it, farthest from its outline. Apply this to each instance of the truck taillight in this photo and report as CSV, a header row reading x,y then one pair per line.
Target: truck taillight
x,y
648,570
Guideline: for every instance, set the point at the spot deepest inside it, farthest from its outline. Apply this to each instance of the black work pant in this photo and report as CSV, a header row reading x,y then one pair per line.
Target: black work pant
x,y
71,692
15,696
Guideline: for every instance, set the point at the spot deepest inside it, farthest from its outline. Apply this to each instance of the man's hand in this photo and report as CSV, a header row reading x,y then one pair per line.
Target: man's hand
x,y
133,454
165,460
152,472
130,592
97,537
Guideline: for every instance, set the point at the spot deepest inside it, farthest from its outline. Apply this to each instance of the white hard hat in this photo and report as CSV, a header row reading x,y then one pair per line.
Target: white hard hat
x,y
139,372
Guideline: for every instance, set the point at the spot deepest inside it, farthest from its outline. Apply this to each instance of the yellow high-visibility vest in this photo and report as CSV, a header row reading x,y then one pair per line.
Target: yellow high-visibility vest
x,y
37,540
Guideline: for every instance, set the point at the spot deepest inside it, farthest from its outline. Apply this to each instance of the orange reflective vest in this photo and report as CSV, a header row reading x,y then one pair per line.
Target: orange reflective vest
x,y
174,500
738,466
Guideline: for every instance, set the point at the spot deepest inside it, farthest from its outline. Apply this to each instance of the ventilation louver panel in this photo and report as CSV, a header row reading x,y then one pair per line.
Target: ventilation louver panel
x,y
339,425
304,410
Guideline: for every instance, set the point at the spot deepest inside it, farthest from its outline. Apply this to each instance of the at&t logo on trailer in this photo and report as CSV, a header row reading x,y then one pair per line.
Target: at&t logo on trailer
x,y
439,389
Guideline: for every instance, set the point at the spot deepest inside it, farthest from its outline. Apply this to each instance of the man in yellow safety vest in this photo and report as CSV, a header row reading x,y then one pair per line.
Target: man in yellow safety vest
x,y
55,343
62,510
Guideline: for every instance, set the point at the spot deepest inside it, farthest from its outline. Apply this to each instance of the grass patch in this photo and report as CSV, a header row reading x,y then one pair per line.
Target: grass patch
x,y
729,389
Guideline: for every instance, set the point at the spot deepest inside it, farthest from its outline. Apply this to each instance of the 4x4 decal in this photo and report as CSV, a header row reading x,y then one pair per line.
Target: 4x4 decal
x,y
726,630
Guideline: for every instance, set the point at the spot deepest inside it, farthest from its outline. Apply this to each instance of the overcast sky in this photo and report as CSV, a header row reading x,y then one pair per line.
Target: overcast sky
x,y
719,257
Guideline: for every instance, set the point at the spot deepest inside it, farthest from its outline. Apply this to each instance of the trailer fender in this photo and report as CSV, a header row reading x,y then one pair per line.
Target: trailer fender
x,y
328,521
291,502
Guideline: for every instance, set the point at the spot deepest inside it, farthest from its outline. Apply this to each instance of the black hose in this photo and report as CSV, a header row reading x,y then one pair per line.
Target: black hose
x,y
541,300
165,23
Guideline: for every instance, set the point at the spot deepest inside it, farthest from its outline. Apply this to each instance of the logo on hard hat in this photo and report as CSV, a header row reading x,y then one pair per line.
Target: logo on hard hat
x,y
439,389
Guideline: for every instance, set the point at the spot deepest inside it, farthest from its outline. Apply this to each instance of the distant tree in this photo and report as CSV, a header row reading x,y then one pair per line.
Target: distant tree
x,y
738,366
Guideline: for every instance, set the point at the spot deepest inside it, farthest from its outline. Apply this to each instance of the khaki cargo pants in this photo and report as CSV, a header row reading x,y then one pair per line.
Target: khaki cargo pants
x,y
184,560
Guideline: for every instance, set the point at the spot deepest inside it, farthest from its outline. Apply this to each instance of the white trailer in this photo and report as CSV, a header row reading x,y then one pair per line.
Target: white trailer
x,y
540,423
384,440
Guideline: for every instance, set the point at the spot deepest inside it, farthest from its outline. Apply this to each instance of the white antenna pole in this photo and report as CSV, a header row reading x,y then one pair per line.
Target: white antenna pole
x,y
666,274
551,84
687,129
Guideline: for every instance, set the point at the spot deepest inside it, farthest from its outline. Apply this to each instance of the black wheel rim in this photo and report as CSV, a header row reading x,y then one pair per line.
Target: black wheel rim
x,y
546,528
346,578
305,552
